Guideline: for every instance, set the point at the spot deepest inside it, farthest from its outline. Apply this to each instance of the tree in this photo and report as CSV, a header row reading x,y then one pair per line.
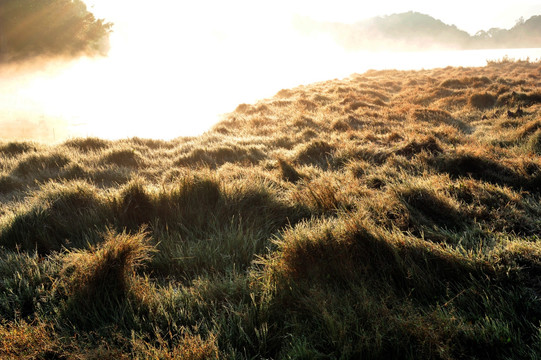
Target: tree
x,y
50,27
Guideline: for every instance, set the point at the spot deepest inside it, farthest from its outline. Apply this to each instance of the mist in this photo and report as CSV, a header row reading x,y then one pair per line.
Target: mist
x,y
177,74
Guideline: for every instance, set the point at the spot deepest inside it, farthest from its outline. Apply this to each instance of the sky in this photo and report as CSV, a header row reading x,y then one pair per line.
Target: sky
x,y
470,16
176,66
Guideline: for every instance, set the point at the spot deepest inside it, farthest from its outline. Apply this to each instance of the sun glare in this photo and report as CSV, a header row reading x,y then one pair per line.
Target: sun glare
x,y
176,75
174,67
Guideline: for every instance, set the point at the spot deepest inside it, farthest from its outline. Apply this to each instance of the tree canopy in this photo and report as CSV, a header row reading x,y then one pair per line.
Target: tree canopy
x,y
50,27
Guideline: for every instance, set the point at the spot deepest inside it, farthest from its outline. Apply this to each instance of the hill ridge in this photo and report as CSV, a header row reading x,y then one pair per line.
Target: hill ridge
x,y
416,31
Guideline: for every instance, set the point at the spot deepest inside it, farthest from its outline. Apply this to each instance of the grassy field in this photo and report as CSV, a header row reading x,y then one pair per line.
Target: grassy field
x,y
392,214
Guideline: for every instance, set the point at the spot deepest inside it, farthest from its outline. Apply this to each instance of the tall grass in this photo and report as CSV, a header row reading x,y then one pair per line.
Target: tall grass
x,y
100,283
392,214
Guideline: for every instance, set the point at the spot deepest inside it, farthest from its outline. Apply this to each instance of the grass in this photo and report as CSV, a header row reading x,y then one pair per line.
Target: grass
x,y
391,214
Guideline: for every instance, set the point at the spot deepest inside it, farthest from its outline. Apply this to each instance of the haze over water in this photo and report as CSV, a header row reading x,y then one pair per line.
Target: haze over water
x,y
172,78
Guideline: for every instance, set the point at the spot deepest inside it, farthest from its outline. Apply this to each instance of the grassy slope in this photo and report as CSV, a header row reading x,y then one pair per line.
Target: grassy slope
x,y
388,215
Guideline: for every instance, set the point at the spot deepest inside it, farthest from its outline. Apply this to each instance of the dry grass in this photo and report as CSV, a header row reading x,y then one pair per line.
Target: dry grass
x,y
392,214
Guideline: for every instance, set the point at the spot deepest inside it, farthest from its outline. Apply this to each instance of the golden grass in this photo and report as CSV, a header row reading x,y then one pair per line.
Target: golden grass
x,y
391,214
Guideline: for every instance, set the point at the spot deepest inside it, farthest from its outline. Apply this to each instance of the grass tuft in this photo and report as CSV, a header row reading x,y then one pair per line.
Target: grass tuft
x,y
482,101
87,144
428,208
34,164
534,142
135,207
16,148
98,281
288,172
316,152
9,183
429,145
122,157
61,215
217,156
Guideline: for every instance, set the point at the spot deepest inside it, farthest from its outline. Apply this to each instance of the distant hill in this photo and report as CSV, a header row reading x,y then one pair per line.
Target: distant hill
x,y
523,34
416,31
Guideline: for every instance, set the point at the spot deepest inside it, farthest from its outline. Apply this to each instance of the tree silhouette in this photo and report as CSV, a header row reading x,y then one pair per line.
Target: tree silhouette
x,y
50,27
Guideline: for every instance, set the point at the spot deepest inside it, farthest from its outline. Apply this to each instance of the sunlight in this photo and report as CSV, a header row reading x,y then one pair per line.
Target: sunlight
x,y
187,65
270,180
177,84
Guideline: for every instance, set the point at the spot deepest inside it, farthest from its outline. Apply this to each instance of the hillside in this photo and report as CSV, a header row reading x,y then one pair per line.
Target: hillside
x,y
523,35
391,214
416,31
